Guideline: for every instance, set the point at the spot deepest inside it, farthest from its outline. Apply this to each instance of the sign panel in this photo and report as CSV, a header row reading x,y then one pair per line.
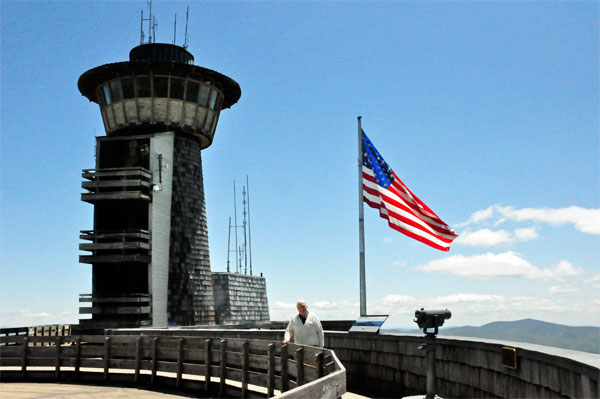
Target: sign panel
x,y
509,357
370,323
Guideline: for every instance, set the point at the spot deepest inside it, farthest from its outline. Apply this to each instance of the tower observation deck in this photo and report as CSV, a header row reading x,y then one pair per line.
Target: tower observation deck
x,y
159,88
149,244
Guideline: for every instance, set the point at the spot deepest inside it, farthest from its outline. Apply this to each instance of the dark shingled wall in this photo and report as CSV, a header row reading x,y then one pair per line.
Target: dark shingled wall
x,y
190,282
240,298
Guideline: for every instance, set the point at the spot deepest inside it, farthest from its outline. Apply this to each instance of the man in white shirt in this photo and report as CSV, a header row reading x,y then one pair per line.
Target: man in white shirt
x,y
304,328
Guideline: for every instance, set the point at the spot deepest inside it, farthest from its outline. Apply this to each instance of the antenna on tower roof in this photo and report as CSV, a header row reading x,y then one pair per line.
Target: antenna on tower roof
x,y
175,28
151,25
186,38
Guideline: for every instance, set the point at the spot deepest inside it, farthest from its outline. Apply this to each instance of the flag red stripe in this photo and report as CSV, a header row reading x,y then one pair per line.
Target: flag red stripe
x,y
428,223
442,230
406,232
408,221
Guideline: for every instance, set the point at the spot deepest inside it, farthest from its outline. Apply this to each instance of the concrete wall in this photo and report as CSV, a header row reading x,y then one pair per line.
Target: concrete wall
x,y
240,298
391,365
160,224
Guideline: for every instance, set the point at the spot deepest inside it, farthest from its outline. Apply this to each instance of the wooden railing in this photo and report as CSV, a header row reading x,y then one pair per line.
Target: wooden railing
x,y
227,367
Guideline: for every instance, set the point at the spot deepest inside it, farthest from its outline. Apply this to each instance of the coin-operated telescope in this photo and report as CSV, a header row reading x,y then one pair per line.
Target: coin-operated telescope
x,y
428,319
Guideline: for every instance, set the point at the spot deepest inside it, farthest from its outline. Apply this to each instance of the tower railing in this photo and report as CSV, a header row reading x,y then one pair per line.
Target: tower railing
x,y
111,305
117,184
110,246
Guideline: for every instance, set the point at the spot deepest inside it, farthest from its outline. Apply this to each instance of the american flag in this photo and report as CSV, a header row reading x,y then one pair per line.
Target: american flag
x,y
383,190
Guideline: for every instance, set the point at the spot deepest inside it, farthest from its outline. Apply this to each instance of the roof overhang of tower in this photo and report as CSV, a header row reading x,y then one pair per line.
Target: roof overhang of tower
x,y
92,79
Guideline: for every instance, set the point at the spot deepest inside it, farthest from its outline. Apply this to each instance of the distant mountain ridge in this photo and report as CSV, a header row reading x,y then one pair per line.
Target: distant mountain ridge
x,y
585,339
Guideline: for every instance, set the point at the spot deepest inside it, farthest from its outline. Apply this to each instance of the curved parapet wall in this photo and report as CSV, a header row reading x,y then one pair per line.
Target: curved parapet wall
x,y
389,365
393,366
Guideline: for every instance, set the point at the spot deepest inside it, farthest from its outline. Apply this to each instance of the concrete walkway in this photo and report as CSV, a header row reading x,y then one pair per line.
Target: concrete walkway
x,y
18,390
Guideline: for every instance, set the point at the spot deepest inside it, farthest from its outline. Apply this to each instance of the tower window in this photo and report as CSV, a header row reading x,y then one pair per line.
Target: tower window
x,y
115,90
192,91
177,88
143,86
213,99
127,87
106,92
161,85
203,98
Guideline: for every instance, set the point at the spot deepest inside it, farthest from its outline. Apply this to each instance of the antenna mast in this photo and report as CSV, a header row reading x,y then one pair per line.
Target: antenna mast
x,y
237,264
151,25
142,28
249,237
175,28
244,225
186,38
228,244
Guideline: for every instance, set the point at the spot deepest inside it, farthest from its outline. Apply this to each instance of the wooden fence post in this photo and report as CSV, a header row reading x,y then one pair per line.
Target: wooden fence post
x,y
271,371
284,368
58,348
223,367
138,356
207,362
106,357
245,351
319,362
299,356
179,362
77,356
25,349
154,359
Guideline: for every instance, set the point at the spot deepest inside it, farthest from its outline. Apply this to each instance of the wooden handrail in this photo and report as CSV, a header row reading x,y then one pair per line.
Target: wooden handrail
x,y
260,367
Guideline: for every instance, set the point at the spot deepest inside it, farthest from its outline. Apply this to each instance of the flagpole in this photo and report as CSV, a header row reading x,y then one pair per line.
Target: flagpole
x,y
361,226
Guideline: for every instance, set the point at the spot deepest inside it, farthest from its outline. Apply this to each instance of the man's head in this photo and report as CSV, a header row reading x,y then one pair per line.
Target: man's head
x,y
302,308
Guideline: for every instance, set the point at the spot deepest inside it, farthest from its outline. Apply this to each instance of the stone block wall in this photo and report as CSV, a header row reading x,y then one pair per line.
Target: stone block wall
x,y
240,298
190,280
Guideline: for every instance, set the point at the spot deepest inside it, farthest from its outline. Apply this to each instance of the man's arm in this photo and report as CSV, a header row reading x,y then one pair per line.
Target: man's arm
x,y
289,333
320,333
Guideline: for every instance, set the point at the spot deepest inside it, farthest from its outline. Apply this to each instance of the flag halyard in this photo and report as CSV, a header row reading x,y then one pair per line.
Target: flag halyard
x,y
404,211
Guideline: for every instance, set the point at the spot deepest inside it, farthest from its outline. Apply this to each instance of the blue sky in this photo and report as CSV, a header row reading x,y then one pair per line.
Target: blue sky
x,y
488,111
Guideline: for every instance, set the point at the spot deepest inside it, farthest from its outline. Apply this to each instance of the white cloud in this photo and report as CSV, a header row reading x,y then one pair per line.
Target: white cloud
x,y
562,289
26,318
483,238
566,269
526,234
490,238
490,265
326,310
584,220
388,240
478,216
594,281
399,263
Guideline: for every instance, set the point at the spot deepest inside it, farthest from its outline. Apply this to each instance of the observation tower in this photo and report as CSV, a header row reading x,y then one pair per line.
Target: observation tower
x,y
149,243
